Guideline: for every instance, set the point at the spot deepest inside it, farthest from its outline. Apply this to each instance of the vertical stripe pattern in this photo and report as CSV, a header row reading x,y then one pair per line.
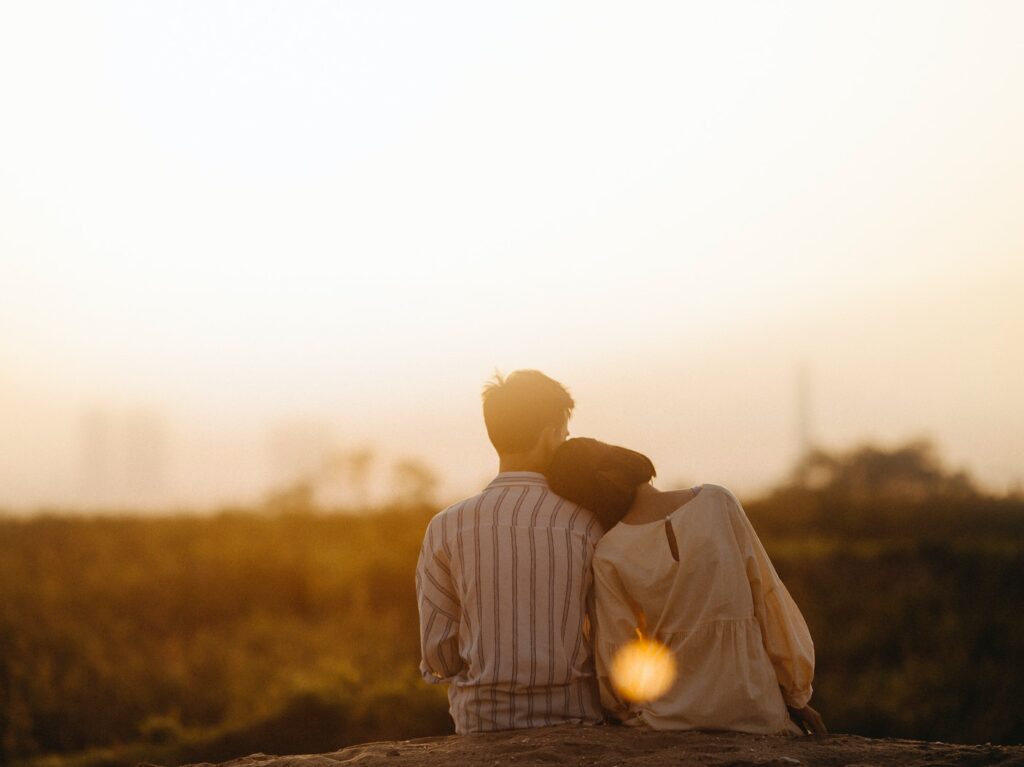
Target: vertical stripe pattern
x,y
504,585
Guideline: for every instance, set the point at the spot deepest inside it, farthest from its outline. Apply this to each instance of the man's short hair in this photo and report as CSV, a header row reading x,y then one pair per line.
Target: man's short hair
x,y
517,408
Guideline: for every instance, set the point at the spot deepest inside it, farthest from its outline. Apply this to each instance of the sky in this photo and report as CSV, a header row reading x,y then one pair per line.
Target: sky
x,y
232,218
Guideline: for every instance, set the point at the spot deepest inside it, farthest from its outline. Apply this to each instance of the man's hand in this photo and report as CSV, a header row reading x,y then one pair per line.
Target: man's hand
x,y
808,720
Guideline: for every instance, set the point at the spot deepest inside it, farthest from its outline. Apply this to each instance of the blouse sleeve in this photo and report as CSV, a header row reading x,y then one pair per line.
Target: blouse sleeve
x,y
616,625
783,629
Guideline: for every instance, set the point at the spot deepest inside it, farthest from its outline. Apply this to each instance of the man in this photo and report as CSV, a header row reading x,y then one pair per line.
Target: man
x,y
504,582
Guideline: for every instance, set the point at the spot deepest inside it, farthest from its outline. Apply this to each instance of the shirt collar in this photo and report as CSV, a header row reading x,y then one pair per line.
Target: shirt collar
x,y
511,478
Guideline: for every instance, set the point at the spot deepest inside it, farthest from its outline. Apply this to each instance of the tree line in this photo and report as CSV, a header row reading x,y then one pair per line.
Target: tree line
x,y
290,629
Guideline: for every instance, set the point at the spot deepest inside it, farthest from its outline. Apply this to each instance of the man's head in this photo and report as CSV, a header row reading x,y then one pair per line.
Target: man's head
x,y
527,414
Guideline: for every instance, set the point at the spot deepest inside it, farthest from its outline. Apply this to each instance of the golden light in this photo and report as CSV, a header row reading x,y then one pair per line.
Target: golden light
x,y
643,670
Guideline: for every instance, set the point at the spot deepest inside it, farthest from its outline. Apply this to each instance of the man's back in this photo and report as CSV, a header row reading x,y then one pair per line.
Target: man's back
x,y
504,584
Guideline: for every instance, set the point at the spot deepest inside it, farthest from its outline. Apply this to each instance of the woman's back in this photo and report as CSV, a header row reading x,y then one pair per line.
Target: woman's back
x,y
706,590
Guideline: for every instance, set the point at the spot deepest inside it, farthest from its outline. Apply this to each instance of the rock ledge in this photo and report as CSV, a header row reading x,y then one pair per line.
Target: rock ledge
x,y
629,747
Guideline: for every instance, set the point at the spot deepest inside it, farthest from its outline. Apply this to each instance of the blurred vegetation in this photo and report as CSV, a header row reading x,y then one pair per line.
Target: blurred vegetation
x,y
912,582
291,630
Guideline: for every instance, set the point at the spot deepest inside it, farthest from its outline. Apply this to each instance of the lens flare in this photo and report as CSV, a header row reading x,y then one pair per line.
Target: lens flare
x,y
643,670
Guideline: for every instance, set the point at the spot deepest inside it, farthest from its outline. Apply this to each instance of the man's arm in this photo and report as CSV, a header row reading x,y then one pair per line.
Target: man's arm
x,y
439,613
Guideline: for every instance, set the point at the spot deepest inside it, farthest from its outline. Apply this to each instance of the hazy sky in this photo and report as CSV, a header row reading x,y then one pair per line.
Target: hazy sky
x,y
236,214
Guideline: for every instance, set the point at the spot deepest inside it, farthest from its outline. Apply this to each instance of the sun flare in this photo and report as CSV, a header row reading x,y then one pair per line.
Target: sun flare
x,y
643,670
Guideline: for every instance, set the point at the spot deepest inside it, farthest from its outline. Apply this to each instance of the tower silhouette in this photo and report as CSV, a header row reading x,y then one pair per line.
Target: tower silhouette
x,y
804,434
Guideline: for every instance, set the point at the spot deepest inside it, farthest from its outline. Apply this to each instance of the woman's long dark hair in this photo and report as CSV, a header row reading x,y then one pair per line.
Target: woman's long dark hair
x,y
600,477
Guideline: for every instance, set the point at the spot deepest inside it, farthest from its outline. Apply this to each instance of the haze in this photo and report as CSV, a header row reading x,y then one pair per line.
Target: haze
x,y
225,223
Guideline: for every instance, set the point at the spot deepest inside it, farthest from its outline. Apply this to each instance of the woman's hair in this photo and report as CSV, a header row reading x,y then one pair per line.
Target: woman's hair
x,y
599,477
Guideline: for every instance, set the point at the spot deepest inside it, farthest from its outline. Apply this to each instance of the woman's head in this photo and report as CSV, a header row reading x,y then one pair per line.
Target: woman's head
x,y
599,476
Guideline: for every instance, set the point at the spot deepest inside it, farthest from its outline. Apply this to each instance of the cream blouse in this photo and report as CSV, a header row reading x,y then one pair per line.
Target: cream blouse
x,y
742,648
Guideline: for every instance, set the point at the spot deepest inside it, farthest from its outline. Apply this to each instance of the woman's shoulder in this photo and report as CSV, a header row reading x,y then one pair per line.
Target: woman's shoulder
x,y
721,492
720,501
711,487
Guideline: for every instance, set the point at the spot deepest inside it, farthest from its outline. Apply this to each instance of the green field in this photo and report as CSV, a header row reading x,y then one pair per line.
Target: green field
x,y
186,638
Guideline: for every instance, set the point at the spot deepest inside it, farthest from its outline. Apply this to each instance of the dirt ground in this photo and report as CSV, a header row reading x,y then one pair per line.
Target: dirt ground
x,y
632,747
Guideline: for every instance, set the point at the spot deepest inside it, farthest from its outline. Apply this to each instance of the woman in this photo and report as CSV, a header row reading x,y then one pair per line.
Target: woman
x,y
687,568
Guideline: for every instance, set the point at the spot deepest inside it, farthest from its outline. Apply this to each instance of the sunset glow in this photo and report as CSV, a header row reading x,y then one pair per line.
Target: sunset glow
x,y
263,266
227,217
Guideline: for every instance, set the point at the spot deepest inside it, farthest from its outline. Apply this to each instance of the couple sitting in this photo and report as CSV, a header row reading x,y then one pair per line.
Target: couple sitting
x,y
526,587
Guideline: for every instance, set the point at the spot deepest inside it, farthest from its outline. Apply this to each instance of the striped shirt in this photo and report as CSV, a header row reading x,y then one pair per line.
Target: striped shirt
x,y
505,592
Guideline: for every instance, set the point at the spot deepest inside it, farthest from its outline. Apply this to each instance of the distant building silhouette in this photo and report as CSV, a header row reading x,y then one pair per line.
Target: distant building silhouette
x,y
95,456
299,450
145,454
122,457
